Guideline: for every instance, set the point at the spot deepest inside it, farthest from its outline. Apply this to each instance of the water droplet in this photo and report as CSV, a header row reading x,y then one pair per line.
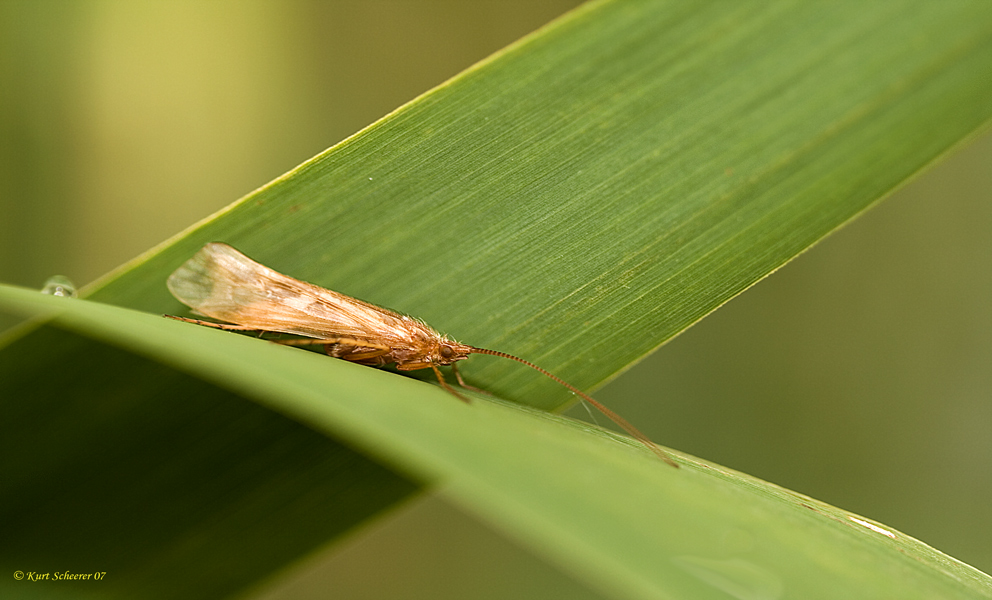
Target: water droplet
x,y
873,527
59,285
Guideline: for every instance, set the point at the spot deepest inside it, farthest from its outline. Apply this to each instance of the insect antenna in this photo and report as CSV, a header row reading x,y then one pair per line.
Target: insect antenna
x,y
623,423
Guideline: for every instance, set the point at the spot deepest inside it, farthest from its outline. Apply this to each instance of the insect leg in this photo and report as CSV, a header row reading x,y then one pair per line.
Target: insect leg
x,y
461,382
445,385
360,356
334,342
224,326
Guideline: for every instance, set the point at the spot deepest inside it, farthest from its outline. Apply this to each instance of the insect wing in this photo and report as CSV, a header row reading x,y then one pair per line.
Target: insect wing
x,y
224,284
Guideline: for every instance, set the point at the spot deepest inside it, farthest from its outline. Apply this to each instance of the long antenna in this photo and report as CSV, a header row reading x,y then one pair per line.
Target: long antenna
x,y
599,406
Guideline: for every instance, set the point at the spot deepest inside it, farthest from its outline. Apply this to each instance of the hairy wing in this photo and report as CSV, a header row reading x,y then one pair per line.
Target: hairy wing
x,y
224,284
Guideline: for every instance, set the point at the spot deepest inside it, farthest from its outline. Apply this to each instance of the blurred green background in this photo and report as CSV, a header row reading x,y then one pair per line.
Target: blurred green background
x,y
860,374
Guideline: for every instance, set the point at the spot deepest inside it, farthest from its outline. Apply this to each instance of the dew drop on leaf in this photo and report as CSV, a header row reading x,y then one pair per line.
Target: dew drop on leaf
x,y
59,285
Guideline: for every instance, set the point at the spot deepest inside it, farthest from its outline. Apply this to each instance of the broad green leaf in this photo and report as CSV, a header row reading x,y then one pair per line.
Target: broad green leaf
x,y
116,463
593,190
601,506
576,200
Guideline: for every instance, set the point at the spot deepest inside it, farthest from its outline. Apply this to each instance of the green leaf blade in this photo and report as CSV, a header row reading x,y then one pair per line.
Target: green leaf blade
x,y
595,189
602,507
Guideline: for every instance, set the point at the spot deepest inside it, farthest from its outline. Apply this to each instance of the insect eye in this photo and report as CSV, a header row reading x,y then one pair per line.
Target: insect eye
x,y
447,352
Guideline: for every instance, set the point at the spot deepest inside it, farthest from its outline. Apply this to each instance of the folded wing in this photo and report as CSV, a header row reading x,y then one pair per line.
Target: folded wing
x,y
221,283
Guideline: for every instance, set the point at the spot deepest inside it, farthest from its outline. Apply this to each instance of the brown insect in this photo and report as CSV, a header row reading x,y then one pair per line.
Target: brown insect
x,y
221,283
